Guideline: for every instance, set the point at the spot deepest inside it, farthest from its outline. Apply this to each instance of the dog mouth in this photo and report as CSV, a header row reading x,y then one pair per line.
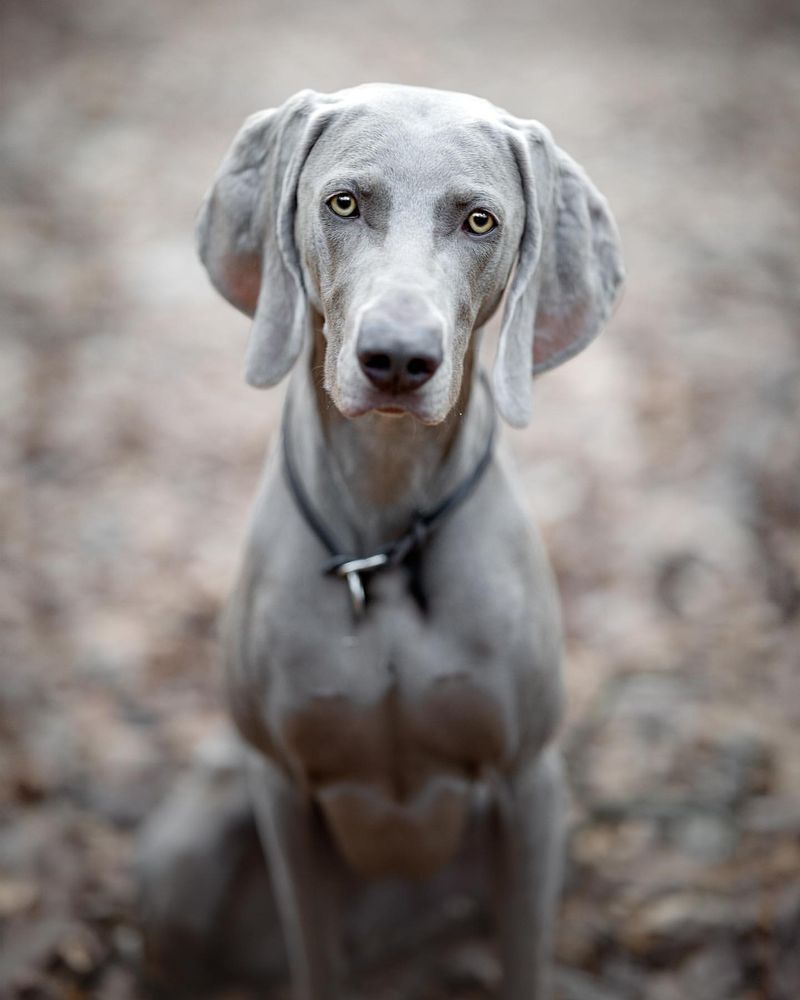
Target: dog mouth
x,y
391,407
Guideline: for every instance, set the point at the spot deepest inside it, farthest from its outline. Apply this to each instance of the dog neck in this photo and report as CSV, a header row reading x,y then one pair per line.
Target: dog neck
x,y
368,476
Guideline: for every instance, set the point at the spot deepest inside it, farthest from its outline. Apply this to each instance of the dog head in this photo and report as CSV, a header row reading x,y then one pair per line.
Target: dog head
x,y
401,215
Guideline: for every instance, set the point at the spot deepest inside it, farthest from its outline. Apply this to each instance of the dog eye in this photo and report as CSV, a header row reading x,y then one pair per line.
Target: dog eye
x,y
343,204
480,222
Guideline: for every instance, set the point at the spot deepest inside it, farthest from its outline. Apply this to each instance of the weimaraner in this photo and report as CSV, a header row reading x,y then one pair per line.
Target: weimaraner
x,y
393,643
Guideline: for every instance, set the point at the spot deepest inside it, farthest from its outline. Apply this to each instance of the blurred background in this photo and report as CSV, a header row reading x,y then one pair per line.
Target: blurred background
x,y
663,464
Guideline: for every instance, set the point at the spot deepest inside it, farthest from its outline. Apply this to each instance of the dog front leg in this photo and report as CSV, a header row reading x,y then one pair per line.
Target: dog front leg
x,y
528,863
306,876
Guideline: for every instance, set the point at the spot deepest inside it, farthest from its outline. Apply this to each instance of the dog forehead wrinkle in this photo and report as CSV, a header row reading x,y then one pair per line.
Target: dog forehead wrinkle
x,y
387,132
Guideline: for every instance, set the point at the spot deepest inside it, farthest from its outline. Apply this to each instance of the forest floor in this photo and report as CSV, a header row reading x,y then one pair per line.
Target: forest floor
x,y
663,465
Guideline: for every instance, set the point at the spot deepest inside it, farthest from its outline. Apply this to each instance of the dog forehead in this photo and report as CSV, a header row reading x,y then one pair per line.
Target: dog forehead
x,y
379,129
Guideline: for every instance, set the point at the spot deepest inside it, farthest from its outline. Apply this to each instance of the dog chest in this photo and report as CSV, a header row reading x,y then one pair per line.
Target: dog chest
x,y
455,723
393,768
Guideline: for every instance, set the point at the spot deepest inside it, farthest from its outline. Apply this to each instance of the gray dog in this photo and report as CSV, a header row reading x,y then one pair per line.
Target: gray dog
x,y
393,644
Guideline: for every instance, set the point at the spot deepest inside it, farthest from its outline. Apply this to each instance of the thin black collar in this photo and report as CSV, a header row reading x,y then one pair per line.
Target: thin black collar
x,y
348,566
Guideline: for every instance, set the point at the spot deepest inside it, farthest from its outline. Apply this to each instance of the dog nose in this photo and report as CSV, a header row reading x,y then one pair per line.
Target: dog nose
x,y
397,361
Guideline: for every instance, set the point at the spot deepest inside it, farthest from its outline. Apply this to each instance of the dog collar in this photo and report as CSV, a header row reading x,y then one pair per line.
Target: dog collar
x,y
350,567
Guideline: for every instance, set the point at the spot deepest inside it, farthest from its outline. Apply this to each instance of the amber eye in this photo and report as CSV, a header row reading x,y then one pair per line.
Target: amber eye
x,y
480,222
343,204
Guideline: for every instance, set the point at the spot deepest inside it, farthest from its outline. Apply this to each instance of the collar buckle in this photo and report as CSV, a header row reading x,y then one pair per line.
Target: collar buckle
x,y
351,572
362,565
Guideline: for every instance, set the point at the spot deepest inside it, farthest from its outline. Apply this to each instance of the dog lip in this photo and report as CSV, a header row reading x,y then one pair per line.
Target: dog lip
x,y
391,409
383,406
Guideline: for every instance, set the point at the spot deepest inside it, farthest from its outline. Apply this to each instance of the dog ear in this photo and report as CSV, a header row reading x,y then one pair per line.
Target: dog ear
x,y
569,270
245,232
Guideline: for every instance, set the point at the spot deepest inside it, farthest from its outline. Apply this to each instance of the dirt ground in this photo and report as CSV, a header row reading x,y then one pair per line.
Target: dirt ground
x,y
663,465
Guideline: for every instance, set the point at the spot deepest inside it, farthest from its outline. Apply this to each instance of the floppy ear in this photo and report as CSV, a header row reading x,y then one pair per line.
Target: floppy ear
x,y
568,272
245,232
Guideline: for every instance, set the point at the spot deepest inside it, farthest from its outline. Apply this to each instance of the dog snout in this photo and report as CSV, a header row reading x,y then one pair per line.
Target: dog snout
x,y
398,360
